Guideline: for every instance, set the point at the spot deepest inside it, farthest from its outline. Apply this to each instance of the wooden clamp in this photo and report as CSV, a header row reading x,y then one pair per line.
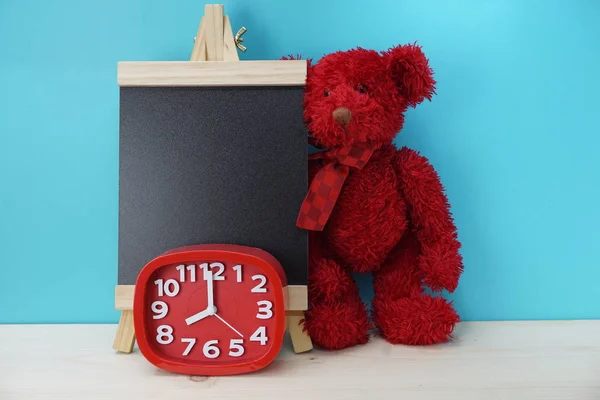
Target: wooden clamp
x,y
215,41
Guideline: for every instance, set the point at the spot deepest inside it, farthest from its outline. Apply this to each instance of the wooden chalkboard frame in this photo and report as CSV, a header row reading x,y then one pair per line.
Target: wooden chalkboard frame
x,y
212,73
214,63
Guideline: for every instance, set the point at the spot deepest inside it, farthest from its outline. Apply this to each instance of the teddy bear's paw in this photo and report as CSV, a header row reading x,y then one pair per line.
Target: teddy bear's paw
x,y
422,320
442,269
328,282
339,325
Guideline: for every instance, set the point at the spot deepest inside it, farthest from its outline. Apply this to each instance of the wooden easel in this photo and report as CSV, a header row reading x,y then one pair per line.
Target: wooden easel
x,y
215,42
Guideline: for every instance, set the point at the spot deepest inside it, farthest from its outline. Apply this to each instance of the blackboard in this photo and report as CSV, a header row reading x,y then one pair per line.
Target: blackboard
x,y
211,165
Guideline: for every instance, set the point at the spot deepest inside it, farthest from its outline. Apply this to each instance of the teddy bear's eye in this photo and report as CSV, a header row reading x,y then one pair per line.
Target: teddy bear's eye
x,y
362,88
326,93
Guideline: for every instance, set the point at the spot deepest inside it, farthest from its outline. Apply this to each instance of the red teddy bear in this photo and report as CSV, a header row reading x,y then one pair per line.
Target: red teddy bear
x,y
372,207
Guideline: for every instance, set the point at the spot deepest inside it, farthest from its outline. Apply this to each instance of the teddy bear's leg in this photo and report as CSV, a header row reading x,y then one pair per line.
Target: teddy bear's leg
x,y
337,317
401,310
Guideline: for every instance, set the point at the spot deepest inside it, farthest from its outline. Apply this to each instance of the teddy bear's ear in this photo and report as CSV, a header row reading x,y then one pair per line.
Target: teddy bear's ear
x,y
297,57
410,70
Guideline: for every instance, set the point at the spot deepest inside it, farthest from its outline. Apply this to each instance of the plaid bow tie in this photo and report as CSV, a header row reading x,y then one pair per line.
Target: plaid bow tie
x,y
327,184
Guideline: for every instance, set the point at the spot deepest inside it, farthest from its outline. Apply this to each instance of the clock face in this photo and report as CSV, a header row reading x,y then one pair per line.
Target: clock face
x,y
212,316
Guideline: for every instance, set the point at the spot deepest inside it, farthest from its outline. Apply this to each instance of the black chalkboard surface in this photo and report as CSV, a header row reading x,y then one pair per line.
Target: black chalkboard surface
x,y
211,164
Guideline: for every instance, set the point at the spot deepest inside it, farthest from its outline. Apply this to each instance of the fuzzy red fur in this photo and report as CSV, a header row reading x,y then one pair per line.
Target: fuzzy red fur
x,y
392,217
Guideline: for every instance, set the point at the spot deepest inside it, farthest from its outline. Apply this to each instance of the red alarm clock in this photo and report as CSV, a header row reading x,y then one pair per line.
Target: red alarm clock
x,y
210,310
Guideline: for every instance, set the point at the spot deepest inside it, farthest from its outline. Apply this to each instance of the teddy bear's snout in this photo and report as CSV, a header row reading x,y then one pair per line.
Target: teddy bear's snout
x,y
342,115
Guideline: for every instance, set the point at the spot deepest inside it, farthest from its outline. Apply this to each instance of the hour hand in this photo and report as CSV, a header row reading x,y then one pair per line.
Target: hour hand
x,y
199,316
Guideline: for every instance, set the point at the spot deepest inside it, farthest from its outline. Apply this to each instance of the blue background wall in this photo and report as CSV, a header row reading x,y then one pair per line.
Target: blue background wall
x,y
514,133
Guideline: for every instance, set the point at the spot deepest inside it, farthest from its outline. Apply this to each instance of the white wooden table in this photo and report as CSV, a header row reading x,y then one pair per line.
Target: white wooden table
x,y
488,360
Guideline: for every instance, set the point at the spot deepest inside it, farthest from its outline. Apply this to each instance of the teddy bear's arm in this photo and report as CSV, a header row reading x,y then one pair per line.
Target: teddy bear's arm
x,y
431,219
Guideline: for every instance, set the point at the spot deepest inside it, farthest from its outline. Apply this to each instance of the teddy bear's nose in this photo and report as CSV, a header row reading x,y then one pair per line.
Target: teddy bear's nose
x,y
342,115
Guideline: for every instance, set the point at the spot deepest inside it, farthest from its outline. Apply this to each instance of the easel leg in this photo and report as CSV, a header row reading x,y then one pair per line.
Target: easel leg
x,y
300,340
125,337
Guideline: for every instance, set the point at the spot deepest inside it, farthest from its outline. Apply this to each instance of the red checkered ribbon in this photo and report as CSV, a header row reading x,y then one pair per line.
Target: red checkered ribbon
x,y
327,184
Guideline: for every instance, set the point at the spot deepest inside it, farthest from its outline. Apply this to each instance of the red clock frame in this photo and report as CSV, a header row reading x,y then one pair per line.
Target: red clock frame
x,y
258,258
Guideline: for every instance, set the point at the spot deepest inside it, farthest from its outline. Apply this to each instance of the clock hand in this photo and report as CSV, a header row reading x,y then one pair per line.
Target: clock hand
x,y
210,309
209,289
225,322
201,315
